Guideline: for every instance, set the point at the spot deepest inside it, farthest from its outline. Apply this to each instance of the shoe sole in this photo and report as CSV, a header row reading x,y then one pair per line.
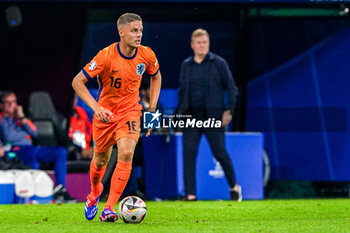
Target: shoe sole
x,y
109,218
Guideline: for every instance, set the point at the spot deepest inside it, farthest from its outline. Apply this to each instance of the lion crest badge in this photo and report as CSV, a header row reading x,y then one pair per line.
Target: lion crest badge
x,y
140,68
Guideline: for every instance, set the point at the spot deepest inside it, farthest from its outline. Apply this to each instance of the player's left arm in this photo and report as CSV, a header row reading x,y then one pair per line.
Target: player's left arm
x,y
230,86
156,83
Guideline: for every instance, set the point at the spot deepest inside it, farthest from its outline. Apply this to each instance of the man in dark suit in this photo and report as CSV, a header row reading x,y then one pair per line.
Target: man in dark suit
x,y
204,78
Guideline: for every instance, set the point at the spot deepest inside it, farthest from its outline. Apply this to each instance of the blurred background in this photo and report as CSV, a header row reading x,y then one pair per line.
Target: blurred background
x,y
289,59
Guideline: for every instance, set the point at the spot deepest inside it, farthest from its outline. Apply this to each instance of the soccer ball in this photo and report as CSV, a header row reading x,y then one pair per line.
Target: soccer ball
x,y
132,209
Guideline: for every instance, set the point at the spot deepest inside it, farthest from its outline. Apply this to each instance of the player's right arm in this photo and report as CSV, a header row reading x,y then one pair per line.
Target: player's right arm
x,y
78,85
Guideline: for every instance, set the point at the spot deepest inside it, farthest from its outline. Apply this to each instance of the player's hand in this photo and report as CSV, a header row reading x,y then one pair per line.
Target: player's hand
x,y
226,118
19,111
103,114
148,132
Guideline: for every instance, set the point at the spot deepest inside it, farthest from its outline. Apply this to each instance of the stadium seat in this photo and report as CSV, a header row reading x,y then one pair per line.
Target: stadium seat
x,y
46,133
52,129
40,106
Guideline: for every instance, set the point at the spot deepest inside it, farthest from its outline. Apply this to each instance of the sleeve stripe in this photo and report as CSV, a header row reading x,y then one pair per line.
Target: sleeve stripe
x,y
154,73
86,74
31,125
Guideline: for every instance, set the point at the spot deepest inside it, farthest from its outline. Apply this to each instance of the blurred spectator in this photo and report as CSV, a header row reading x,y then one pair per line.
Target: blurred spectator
x,y
17,130
204,78
80,130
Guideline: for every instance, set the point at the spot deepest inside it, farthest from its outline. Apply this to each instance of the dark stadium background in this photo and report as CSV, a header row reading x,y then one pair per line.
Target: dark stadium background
x,y
55,41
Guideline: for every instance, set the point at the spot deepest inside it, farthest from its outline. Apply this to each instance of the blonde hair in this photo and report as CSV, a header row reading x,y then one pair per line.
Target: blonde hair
x,y
199,32
127,18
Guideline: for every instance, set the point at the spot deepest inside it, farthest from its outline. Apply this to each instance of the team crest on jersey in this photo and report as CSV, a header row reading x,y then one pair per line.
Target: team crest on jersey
x,y
140,68
92,65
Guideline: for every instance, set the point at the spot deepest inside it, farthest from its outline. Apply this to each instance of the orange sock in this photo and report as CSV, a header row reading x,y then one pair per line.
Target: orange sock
x,y
119,180
96,174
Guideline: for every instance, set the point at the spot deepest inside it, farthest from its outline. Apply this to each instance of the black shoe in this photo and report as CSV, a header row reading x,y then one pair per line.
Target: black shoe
x,y
61,195
236,195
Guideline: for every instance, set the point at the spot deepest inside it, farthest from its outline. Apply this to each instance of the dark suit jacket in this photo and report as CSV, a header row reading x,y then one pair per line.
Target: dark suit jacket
x,y
219,80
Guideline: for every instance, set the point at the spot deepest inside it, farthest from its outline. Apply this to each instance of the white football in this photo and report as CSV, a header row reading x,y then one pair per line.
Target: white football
x,y
132,209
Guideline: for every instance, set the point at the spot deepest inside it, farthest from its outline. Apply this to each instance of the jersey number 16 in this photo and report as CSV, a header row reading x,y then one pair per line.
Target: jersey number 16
x,y
116,82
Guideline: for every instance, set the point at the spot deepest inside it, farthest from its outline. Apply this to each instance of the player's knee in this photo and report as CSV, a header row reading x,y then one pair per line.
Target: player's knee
x,y
100,161
125,153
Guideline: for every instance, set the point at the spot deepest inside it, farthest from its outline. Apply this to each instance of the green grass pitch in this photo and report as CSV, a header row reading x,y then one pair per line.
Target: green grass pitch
x,y
320,215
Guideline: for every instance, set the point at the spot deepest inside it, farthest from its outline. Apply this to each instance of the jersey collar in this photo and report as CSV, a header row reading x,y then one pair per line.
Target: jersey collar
x,y
123,56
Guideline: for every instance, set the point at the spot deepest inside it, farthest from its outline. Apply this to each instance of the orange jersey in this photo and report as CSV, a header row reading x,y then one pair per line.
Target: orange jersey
x,y
119,77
